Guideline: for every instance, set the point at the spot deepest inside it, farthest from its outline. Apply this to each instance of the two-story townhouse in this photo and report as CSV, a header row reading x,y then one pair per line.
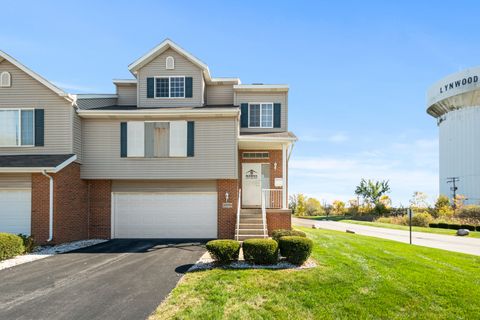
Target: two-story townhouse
x,y
174,153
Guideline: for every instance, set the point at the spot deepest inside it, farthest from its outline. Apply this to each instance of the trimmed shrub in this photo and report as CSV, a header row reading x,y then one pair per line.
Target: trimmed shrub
x,y
224,251
10,246
454,226
443,225
433,225
277,234
28,242
260,251
421,219
468,227
295,249
477,228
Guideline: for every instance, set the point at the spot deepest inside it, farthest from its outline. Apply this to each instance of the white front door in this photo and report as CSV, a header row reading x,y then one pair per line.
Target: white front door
x,y
252,184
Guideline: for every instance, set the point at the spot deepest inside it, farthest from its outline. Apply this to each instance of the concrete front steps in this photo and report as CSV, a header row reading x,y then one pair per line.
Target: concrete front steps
x,y
251,224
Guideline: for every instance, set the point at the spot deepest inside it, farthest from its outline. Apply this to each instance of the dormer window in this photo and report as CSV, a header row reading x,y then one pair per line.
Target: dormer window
x,y
170,87
5,79
170,63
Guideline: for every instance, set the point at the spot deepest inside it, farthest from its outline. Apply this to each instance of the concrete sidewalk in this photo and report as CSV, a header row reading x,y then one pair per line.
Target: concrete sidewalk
x,y
445,242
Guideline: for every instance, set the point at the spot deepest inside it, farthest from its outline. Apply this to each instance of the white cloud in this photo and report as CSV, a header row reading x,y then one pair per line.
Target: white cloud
x,y
338,137
408,166
71,86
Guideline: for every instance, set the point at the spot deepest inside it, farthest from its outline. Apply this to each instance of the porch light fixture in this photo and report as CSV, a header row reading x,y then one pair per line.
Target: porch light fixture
x,y
226,196
275,166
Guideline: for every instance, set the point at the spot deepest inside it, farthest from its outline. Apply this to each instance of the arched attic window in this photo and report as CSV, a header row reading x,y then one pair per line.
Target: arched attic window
x,y
5,79
169,63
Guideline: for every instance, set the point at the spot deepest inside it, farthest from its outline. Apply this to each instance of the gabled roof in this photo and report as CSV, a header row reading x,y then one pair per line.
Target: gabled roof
x,y
162,47
169,44
34,75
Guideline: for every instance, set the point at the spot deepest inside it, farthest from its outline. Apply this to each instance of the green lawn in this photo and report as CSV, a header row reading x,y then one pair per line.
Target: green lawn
x,y
358,277
473,234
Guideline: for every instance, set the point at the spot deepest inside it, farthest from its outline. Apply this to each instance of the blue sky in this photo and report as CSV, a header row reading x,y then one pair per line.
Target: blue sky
x,y
358,70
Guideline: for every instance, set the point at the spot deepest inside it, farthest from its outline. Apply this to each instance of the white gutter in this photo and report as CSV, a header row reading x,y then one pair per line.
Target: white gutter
x,y
261,87
267,139
50,207
158,112
124,81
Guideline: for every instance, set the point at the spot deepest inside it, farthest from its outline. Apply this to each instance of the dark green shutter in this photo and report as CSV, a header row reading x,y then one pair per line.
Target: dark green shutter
x,y
150,87
244,115
39,127
277,115
188,87
190,138
123,139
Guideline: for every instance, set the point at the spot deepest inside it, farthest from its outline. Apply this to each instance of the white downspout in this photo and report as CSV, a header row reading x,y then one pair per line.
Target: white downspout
x,y
284,176
50,207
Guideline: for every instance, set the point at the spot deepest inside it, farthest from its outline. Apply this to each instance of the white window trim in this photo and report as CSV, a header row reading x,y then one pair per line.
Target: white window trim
x,y
260,126
9,79
20,126
169,88
255,153
135,139
176,154
172,59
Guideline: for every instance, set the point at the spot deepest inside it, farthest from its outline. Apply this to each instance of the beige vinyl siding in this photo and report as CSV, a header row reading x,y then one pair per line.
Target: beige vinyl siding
x,y
275,97
15,180
96,103
183,67
27,92
164,186
127,95
77,135
221,94
215,153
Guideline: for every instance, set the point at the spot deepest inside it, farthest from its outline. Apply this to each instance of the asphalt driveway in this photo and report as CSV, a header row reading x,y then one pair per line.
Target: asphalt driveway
x,y
118,279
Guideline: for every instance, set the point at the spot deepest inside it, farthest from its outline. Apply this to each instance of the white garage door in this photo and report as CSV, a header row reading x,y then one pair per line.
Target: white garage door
x,y
165,215
15,211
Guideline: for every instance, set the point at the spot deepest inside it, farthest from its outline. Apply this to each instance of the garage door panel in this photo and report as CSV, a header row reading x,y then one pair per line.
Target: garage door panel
x,y
165,215
15,211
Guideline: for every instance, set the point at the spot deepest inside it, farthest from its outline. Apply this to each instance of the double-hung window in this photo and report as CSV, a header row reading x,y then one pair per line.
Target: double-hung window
x,y
16,127
260,115
170,87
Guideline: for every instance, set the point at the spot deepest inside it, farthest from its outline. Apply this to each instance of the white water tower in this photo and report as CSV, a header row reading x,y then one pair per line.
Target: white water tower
x,y
455,102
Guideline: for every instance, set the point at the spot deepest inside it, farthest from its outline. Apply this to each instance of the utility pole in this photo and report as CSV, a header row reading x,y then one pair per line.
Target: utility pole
x,y
453,188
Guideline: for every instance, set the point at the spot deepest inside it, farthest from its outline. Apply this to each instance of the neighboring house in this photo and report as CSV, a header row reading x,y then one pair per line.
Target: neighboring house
x,y
164,157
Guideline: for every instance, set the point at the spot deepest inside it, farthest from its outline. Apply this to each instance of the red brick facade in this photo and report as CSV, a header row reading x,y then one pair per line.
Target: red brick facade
x,y
82,208
278,219
227,217
99,224
70,206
